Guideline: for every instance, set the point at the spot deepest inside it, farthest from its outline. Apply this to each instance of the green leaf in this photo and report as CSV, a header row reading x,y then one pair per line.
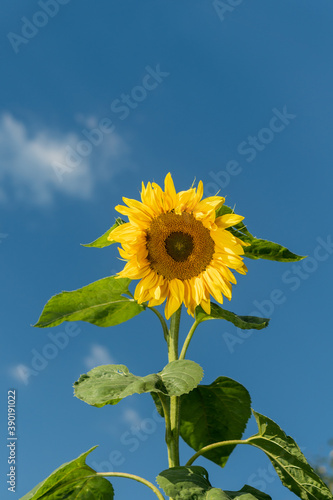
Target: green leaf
x,y
243,322
259,248
213,413
248,493
184,482
181,376
101,303
189,483
263,249
288,461
192,483
109,384
103,241
73,479
158,403
216,494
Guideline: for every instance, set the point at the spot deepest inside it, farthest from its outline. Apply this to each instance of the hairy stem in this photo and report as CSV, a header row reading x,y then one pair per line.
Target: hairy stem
x,y
173,335
173,445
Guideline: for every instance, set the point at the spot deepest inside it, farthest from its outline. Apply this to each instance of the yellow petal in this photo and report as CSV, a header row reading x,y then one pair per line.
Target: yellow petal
x,y
175,297
210,204
124,254
224,270
228,220
138,206
133,272
200,190
199,290
176,288
171,306
205,304
170,195
212,287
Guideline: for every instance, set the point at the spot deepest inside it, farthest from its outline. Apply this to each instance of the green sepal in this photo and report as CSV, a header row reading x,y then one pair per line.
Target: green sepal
x,y
243,322
288,461
73,479
109,384
103,241
259,248
102,303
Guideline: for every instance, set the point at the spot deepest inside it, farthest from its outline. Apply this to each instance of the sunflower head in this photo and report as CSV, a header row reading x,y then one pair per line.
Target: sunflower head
x,y
177,247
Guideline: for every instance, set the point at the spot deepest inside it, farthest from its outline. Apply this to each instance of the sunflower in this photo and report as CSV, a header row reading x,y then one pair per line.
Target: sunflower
x,y
177,247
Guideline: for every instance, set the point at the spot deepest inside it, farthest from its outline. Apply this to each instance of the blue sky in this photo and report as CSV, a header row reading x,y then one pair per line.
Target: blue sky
x,y
96,98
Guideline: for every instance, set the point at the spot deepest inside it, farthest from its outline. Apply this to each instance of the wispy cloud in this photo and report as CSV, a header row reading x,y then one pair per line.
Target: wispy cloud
x,y
132,417
98,355
27,172
20,372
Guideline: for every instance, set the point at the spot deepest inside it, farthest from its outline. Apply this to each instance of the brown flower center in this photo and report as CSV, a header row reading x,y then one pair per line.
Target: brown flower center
x,y
179,246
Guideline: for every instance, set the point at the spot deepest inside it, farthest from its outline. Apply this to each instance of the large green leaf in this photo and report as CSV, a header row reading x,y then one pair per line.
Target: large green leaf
x,y
189,483
259,248
73,479
243,322
109,384
103,241
213,413
101,303
288,461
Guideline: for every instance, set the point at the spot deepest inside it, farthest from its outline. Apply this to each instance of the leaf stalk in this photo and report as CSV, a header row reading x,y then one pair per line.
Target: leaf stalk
x,y
135,478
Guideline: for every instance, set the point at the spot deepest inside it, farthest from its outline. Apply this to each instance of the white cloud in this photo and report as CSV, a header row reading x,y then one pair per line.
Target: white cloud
x,y
98,355
132,417
34,168
20,372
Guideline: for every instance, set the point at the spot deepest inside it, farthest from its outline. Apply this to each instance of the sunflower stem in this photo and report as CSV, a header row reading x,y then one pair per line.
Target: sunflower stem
x,y
173,335
173,438
188,339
